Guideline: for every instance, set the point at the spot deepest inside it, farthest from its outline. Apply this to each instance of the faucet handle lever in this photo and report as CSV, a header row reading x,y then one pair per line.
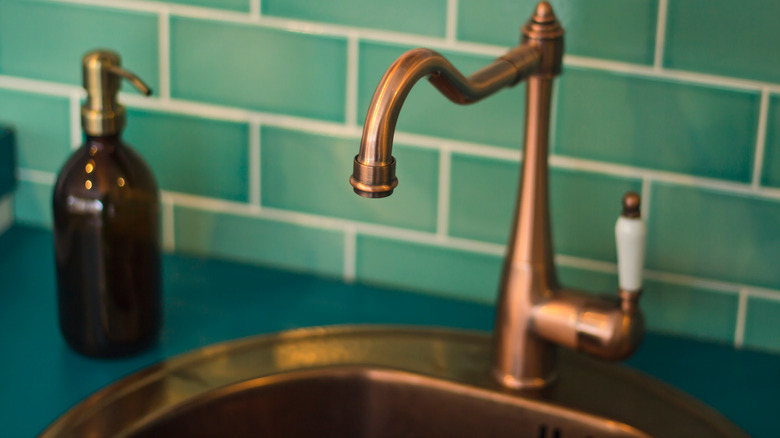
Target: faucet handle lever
x,y
630,236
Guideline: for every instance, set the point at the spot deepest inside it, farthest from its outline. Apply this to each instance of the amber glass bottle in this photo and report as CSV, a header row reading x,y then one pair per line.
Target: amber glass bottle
x,y
106,229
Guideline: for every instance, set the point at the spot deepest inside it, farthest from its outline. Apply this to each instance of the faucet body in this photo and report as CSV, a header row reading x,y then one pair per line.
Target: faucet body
x,y
534,313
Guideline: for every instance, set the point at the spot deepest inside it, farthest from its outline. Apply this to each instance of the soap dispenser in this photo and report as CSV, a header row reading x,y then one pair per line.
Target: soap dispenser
x,y
107,227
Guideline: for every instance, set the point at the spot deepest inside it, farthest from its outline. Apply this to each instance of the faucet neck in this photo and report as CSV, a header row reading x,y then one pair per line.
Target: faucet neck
x,y
522,360
531,241
528,278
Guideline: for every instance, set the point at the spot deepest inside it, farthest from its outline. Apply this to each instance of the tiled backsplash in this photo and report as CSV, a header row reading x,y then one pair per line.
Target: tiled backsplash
x,y
257,117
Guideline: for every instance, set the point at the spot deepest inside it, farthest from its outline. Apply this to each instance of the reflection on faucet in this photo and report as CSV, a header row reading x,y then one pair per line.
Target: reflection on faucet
x,y
533,312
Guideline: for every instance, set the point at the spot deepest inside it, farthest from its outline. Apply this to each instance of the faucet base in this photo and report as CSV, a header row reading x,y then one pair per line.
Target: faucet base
x,y
511,382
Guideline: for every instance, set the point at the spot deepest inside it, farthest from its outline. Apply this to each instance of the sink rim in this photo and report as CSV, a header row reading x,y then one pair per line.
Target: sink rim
x,y
441,353
385,375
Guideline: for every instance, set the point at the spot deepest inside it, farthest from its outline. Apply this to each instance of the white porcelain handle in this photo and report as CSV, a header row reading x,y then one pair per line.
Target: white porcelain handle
x,y
630,235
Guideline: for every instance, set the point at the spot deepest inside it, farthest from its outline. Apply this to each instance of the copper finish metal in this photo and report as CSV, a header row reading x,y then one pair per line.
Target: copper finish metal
x,y
374,167
631,205
101,114
394,381
534,313
380,382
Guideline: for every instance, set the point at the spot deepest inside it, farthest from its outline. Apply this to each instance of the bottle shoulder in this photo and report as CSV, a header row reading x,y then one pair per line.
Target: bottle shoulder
x,y
96,170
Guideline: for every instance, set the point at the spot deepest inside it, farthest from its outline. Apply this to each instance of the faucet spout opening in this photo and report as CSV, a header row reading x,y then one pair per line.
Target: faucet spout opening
x,y
373,181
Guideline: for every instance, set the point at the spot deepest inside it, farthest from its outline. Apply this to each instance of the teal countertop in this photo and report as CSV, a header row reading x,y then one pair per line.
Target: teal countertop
x,y
209,301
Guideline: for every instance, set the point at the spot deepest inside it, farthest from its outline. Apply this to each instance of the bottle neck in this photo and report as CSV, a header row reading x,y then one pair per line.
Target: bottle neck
x,y
108,143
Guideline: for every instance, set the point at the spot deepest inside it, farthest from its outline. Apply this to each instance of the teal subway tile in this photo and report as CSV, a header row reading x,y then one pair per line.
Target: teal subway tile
x,y
497,120
659,124
230,5
32,203
427,268
762,324
584,206
690,311
482,197
711,234
193,155
310,173
42,125
43,40
668,308
261,241
724,37
594,282
770,173
613,29
425,17
258,68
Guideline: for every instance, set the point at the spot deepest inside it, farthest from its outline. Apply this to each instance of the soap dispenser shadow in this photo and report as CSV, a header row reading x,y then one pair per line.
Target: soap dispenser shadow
x,y
106,208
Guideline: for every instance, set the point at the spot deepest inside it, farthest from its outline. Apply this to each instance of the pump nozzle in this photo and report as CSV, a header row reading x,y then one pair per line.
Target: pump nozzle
x,y
101,114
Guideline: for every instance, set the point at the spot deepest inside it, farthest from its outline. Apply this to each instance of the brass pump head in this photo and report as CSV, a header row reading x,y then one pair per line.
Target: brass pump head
x,y
101,114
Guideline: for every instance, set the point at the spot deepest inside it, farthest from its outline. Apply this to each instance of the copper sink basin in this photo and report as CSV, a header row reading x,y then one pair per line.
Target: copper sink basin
x,y
380,382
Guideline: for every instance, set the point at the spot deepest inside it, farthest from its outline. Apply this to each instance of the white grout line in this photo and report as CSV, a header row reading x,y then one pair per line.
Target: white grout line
x,y
350,254
255,155
767,294
339,129
660,35
75,120
646,197
38,87
688,280
117,4
421,237
487,248
351,100
168,225
330,223
246,209
417,40
443,207
763,115
671,278
164,35
255,9
310,27
739,332
451,33
482,150
220,112
353,35
588,264
668,74
663,176
156,8
196,109
36,176
665,277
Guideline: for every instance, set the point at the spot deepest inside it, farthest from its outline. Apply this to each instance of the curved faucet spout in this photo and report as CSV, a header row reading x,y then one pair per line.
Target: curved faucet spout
x,y
374,166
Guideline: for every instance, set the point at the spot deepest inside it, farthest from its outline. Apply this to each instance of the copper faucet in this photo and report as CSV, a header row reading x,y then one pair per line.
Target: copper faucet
x,y
534,313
